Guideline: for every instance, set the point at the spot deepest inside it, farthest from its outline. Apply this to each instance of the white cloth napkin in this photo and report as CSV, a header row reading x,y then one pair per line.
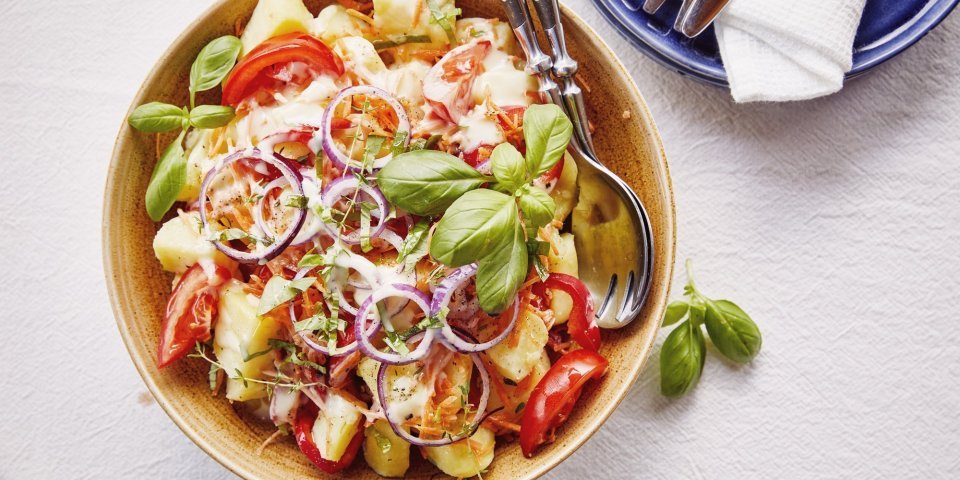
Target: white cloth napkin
x,y
782,50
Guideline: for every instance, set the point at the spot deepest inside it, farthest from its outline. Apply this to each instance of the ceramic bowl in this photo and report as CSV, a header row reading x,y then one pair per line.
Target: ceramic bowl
x,y
626,138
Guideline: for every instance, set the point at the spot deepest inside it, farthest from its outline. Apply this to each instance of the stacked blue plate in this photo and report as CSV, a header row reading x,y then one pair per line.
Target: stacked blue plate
x,y
887,28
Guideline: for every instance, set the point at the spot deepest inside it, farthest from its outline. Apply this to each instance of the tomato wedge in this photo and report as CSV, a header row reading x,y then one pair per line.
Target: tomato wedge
x,y
259,68
303,432
190,312
553,398
448,85
582,324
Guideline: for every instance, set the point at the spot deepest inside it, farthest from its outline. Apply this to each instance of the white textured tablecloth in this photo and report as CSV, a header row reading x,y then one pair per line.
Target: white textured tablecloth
x,y
835,223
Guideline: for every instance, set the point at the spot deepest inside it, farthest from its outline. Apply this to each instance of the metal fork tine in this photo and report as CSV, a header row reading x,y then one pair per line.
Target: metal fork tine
x,y
627,305
608,298
651,6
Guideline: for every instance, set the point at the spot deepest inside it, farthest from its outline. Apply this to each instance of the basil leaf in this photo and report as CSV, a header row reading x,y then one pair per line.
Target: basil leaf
x,y
415,246
167,179
546,131
697,312
501,273
426,182
508,167
478,223
156,117
442,19
211,116
396,41
537,206
212,64
681,360
732,331
675,312
279,290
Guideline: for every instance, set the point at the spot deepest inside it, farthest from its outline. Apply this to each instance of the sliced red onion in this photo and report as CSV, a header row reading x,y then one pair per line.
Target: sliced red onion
x,y
343,186
330,147
441,298
308,339
395,424
293,179
367,270
392,238
301,135
312,226
363,334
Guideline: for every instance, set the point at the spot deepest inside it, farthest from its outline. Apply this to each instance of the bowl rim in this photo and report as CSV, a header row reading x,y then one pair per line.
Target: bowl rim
x,y
619,390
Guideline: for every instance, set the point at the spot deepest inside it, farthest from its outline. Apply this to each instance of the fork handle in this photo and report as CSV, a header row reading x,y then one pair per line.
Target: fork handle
x,y
538,63
564,68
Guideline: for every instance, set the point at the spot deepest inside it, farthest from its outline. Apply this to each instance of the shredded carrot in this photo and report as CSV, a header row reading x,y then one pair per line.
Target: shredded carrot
x,y
503,423
267,442
360,16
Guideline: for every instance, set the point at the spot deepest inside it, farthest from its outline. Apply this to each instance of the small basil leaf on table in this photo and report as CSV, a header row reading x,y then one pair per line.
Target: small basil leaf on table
x,y
212,64
156,117
167,179
697,312
546,131
477,224
501,273
675,312
732,331
508,167
211,116
681,360
537,206
426,182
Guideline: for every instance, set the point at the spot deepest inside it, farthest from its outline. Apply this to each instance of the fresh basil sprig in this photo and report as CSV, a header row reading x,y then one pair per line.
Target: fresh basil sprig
x,y
484,225
731,331
169,175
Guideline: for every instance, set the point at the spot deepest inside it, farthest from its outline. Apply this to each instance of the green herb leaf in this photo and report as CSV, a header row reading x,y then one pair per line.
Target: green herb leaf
x,y
540,268
212,375
520,407
697,312
501,272
279,290
156,117
676,311
296,201
441,18
478,224
546,131
415,246
168,178
396,41
396,148
732,331
537,206
508,167
383,443
426,182
681,360
371,148
212,64
211,116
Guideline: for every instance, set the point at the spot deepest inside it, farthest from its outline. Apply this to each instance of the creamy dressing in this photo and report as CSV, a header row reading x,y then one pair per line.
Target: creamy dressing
x,y
477,128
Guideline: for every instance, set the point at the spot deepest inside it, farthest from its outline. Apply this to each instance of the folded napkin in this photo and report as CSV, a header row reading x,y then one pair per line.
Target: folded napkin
x,y
782,50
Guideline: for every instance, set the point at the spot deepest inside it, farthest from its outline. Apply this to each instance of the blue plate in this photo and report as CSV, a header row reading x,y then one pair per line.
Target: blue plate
x,y
887,28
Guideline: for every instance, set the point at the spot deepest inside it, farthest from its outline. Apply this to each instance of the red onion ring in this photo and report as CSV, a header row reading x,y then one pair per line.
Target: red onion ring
x,y
333,152
441,298
336,352
343,185
302,135
293,178
395,425
394,290
367,270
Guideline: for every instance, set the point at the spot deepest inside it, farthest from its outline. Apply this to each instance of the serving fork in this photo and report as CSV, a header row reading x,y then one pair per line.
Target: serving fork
x,y
611,228
694,16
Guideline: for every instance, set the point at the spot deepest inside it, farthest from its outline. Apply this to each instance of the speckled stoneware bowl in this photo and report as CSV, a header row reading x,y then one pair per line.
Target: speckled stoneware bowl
x,y
626,139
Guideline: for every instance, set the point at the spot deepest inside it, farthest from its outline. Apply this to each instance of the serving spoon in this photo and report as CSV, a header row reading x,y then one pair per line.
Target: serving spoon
x,y
611,228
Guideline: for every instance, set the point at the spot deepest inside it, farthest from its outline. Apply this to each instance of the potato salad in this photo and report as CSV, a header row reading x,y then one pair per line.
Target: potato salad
x,y
368,236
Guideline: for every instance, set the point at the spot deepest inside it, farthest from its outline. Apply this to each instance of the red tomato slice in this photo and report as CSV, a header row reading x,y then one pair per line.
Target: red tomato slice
x,y
449,84
553,398
252,73
303,432
582,324
190,312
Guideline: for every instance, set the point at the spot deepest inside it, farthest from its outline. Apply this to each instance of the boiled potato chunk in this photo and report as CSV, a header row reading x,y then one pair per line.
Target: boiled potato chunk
x,y
505,86
385,452
563,261
272,18
459,459
179,244
565,192
406,394
240,333
520,392
361,58
498,32
334,22
519,353
405,17
335,427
